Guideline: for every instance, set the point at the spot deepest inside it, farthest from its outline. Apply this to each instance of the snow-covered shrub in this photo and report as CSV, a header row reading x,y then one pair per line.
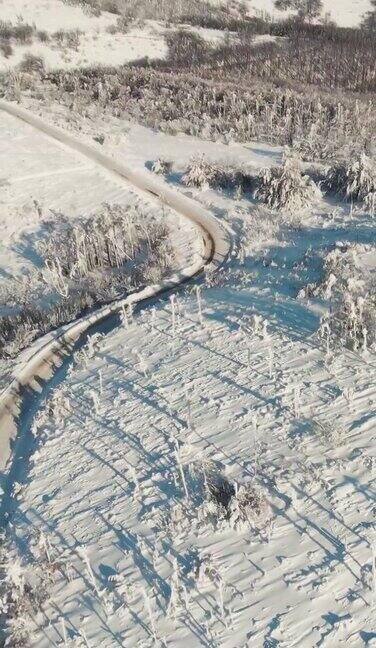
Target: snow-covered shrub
x,y
206,568
161,167
370,202
348,287
259,224
112,6
69,38
286,187
312,145
351,291
212,110
243,180
248,506
228,503
340,272
6,48
353,319
43,36
186,45
218,488
354,181
18,330
80,247
25,583
21,32
236,178
85,249
204,497
171,11
328,433
23,590
32,63
123,24
203,174
200,173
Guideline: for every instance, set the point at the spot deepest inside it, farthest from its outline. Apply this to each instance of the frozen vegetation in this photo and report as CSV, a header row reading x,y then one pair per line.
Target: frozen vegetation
x,y
83,263
197,469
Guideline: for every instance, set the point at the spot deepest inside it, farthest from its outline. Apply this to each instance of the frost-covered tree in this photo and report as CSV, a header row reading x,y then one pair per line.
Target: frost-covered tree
x,y
305,9
352,320
350,290
369,20
370,202
355,180
200,173
286,187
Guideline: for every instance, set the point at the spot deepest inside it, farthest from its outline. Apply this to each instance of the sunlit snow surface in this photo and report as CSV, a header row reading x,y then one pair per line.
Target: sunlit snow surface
x,y
346,13
266,406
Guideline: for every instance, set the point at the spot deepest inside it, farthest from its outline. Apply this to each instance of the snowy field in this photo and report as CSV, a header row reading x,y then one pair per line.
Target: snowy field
x,y
94,48
199,470
230,385
164,569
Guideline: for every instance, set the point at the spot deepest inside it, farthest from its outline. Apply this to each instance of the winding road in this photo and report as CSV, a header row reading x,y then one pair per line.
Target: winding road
x,y
216,247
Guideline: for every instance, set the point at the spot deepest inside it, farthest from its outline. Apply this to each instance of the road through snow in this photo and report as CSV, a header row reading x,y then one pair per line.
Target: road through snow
x,y
268,407
215,249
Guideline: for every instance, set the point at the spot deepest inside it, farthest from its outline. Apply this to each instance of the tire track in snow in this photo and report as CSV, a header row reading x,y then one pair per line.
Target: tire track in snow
x,y
216,243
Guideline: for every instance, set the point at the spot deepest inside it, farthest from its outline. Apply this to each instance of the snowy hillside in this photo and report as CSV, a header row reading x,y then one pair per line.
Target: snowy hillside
x,y
65,36
88,39
346,13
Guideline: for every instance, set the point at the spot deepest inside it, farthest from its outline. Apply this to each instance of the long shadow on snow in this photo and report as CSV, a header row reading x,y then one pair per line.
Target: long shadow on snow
x,y
25,442
289,265
279,274
30,404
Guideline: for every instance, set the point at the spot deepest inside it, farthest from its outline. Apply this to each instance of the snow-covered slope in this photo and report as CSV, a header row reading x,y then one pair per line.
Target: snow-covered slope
x,y
97,40
346,13
51,15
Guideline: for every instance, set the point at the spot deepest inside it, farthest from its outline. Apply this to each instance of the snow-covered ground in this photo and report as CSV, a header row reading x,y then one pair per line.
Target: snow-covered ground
x,y
95,44
139,554
98,39
202,471
94,48
34,196
33,193
51,15
298,575
346,13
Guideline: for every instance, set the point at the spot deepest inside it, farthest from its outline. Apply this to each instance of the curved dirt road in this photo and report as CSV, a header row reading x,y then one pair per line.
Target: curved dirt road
x,y
216,244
